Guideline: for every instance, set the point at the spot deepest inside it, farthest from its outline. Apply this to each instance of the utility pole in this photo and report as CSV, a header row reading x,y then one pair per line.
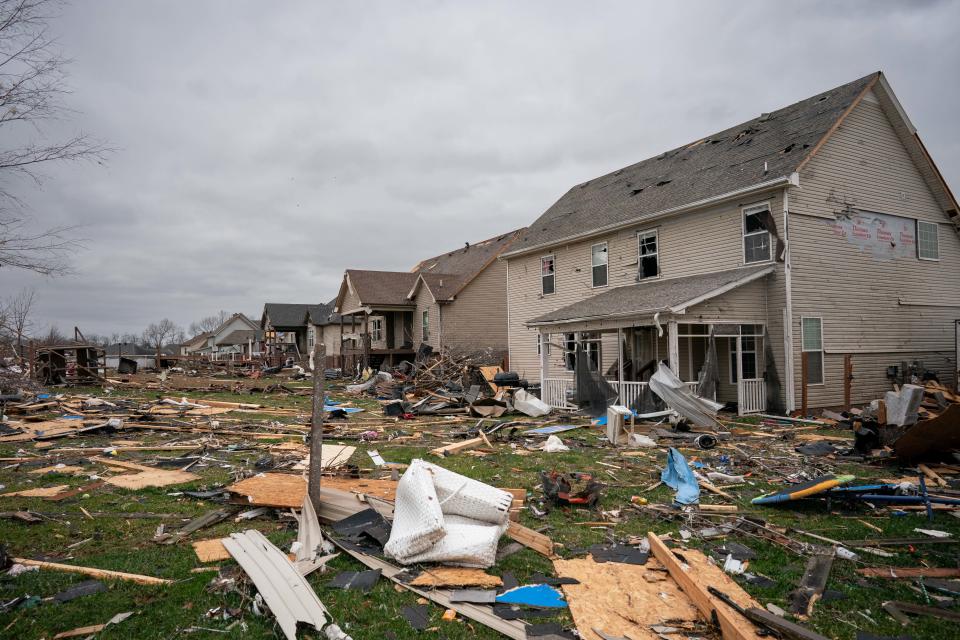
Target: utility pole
x,y
316,426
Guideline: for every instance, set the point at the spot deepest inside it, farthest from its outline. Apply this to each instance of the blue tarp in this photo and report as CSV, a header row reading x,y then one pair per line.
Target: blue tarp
x,y
678,476
328,408
534,595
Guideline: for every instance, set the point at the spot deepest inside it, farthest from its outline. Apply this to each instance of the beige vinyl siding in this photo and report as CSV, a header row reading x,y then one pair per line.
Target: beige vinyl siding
x,y
477,318
425,302
865,301
706,241
331,338
350,300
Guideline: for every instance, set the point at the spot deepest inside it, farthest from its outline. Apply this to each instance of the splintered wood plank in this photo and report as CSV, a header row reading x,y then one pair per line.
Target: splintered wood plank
x,y
530,538
456,577
622,600
698,573
93,572
282,490
812,585
909,572
211,550
80,631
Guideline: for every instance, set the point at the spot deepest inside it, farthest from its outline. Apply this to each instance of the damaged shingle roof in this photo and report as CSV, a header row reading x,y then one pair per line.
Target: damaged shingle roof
x,y
283,314
388,288
717,164
457,268
321,314
241,336
650,297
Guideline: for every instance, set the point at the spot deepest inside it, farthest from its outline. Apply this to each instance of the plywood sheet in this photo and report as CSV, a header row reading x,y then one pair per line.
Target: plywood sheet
x,y
67,469
151,478
42,492
618,600
456,577
45,428
287,490
211,550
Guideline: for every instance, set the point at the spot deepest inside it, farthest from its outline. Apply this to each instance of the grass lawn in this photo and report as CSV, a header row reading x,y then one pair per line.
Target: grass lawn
x,y
118,535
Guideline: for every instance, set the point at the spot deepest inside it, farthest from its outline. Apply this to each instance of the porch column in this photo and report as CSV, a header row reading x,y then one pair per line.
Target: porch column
x,y
544,358
673,347
620,363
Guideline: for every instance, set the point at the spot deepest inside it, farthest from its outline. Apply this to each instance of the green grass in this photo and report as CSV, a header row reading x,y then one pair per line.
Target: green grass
x,y
120,541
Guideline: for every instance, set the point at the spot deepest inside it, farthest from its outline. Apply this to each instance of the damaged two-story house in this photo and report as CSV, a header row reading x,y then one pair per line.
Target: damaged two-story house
x,y
453,302
798,258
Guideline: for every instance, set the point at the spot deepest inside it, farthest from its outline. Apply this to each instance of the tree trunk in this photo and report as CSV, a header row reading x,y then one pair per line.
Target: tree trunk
x,y
316,427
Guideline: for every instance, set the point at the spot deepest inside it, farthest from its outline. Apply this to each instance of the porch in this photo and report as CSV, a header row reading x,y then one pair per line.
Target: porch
x,y
723,362
710,329
370,337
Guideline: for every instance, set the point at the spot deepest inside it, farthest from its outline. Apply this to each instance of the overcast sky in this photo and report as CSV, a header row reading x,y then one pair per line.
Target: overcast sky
x,y
262,148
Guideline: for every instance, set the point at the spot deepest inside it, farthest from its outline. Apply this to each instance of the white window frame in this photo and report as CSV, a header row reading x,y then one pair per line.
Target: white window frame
x,y
936,233
592,345
543,342
376,329
640,235
553,258
734,354
821,351
750,210
605,265
569,345
425,325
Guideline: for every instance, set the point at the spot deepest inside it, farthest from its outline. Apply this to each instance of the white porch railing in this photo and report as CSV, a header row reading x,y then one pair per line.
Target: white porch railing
x,y
752,396
554,391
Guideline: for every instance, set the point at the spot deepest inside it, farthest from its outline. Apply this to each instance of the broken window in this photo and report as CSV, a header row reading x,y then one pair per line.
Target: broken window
x,y
811,330
598,263
590,348
425,324
928,241
756,237
376,329
648,255
548,275
569,350
748,358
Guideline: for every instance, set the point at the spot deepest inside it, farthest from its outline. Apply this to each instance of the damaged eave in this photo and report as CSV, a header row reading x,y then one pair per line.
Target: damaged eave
x,y
792,179
682,308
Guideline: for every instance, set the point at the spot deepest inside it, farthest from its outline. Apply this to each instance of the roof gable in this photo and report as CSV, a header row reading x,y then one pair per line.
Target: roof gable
x,y
769,146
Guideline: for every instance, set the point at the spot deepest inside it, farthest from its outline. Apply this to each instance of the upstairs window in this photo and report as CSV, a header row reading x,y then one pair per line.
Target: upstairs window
x,y
548,275
376,329
811,330
928,241
425,325
598,262
756,236
648,255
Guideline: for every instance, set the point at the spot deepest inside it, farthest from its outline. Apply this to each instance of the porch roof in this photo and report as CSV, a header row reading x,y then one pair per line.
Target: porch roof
x,y
672,295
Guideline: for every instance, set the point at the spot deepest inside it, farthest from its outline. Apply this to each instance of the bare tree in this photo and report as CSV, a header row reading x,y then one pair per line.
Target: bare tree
x,y
32,85
159,334
209,323
19,317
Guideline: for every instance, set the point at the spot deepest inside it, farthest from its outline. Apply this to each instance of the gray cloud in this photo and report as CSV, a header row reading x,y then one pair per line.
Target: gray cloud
x,y
262,148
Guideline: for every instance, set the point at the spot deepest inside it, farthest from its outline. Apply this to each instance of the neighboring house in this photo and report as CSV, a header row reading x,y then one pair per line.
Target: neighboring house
x,y
453,302
194,344
816,238
285,329
323,325
240,344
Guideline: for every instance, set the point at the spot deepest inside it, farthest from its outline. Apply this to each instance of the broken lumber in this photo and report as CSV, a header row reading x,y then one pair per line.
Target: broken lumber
x,y
530,538
93,572
457,447
811,586
732,624
909,572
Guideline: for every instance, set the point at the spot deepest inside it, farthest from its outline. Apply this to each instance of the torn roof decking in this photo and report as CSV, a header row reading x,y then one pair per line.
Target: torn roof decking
x,y
646,298
770,146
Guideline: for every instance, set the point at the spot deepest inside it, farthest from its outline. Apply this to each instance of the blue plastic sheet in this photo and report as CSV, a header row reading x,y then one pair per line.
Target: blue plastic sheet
x,y
678,476
534,595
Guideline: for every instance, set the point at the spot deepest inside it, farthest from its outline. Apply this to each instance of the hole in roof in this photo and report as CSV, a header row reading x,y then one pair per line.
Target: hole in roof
x,y
822,98
584,185
663,182
636,191
717,141
789,147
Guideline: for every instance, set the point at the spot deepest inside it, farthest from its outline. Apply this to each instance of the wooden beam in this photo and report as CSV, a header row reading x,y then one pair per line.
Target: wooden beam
x,y
457,447
92,572
847,380
909,572
530,538
733,626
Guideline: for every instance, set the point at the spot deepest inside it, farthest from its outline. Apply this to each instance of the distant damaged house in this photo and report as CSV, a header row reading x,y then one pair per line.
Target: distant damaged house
x,y
323,326
800,257
455,301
